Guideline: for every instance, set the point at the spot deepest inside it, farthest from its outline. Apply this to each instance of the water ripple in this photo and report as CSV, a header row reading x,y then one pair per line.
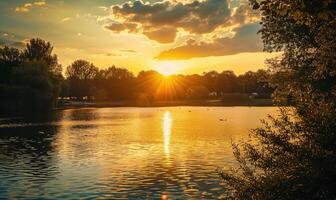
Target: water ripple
x,y
118,153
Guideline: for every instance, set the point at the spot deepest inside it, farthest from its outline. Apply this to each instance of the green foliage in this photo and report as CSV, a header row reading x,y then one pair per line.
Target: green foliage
x,y
293,156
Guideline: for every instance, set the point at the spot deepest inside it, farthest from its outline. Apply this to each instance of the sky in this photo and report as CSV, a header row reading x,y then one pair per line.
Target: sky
x,y
170,36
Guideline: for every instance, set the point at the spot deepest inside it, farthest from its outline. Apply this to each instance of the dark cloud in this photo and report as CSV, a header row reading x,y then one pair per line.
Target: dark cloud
x,y
160,21
162,35
245,40
118,27
244,14
12,42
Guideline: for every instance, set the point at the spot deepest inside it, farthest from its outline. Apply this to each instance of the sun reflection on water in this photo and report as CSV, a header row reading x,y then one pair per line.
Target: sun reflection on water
x,y
166,128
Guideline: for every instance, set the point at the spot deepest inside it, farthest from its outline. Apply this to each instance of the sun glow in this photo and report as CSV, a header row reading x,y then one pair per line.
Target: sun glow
x,y
166,68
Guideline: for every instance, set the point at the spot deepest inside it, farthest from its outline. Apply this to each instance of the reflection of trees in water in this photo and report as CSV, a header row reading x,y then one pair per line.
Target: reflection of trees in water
x,y
29,149
81,114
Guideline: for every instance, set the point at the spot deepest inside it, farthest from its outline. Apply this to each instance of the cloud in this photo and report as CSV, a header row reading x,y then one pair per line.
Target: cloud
x,y
111,54
161,21
40,3
117,27
243,14
196,17
128,50
244,40
27,6
19,44
104,8
66,19
12,40
162,35
24,8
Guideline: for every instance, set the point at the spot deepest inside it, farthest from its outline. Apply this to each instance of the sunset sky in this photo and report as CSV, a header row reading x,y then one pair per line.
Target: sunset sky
x,y
180,36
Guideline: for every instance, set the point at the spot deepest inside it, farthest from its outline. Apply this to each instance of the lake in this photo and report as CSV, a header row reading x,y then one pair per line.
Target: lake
x,y
118,153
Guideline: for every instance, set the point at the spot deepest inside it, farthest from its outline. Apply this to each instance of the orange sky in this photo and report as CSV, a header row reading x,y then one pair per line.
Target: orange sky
x,y
175,36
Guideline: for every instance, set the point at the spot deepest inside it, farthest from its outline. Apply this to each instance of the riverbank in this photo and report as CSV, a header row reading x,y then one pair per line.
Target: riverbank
x,y
101,104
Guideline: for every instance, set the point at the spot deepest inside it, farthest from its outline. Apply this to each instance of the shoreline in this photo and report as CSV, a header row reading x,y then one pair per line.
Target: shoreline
x,y
197,103
116,104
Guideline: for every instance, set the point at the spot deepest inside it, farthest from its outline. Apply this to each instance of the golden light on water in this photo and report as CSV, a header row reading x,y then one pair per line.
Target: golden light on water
x,y
166,128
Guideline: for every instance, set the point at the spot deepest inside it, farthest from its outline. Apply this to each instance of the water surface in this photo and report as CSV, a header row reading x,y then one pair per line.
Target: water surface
x,y
118,153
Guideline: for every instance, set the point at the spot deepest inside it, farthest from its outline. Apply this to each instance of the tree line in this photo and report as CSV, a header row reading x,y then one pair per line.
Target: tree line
x,y
32,79
85,81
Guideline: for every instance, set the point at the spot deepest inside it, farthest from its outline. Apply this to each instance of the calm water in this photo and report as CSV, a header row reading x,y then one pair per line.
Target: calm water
x,y
118,153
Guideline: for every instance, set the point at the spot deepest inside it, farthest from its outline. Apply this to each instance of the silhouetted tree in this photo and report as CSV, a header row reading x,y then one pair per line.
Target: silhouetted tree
x,y
30,79
40,50
295,154
115,83
228,82
81,75
211,81
147,83
43,86
9,58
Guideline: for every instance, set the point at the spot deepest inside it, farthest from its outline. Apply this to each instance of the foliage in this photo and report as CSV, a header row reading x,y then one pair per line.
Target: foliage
x,y
40,50
294,155
80,75
30,79
9,58
113,83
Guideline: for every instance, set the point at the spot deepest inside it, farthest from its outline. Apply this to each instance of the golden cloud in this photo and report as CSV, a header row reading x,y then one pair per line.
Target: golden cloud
x,y
245,40
161,21
27,6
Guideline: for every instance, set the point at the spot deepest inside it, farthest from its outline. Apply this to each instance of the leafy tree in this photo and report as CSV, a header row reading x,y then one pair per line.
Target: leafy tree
x,y
81,69
197,92
81,76
30,79
228,82
40,50
294,155
211,81
147,83
9,58
39,87
115,84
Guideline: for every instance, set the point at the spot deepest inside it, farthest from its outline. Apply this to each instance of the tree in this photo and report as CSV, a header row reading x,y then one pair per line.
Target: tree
x,y
40,50
228,82
115,84
147,83
9,58
294,155
29,79
211,81
40,88
81,69
248,82
81,76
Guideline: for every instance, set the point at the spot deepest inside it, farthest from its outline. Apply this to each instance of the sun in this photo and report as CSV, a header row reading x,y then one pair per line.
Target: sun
x,y
166,68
